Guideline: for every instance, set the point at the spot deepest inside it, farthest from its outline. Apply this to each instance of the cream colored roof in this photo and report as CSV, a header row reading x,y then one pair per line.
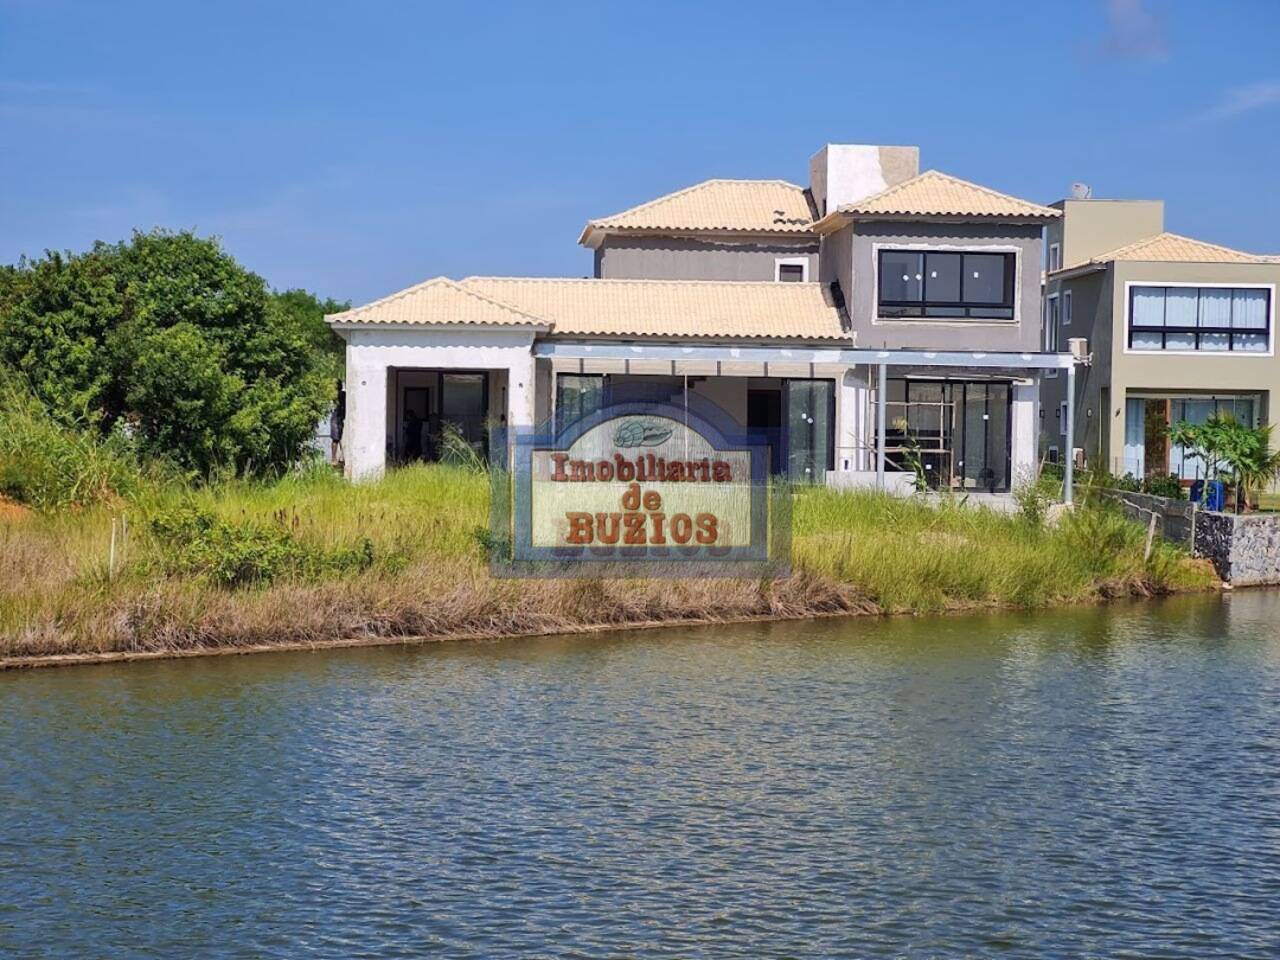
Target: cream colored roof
x,y
935,194
617,308
737,206
1170,247
672,308
437,301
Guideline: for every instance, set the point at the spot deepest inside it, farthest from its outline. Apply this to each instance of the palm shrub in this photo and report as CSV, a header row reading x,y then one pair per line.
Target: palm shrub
x,y
1232,452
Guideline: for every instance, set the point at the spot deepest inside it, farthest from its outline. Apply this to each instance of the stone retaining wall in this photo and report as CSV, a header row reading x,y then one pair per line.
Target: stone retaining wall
x,y
1244,549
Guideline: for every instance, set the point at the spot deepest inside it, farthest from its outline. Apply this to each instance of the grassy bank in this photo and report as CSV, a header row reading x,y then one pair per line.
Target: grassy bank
x,y
313,559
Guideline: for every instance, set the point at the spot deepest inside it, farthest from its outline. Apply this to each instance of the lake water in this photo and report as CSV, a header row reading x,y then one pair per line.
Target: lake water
x,y
1099,782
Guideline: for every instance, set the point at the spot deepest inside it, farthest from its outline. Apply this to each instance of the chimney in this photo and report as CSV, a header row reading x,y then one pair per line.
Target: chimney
x,y
841,173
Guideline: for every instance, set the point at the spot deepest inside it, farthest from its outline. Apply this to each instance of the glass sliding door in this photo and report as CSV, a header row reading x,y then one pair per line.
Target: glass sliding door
x,y
928,431
810,420
578,395
464,403
960,432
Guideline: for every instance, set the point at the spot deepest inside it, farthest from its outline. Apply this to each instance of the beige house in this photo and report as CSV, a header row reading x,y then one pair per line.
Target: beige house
x,y
876,311
1177,328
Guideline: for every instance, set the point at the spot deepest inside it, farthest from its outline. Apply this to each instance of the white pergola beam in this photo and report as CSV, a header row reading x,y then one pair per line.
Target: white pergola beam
x,y
569,350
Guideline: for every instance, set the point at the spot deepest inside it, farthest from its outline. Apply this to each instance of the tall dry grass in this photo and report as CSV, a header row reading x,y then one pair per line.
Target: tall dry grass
x,y
853,553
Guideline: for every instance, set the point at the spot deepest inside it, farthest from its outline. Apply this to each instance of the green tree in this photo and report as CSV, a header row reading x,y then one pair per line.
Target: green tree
x,y
306,312
168,335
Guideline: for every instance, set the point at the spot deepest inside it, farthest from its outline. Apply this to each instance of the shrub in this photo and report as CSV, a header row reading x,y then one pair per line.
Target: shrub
x,y
47,464
193,542
1166,486
170,335
1033,499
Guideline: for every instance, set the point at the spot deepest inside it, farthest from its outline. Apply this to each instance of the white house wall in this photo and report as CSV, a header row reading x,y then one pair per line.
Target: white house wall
x,y
372,353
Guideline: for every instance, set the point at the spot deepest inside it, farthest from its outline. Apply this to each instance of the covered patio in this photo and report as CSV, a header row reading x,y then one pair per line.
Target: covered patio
x,y
864,453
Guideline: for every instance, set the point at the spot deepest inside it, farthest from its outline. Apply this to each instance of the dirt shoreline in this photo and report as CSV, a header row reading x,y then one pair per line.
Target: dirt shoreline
x,y
131,656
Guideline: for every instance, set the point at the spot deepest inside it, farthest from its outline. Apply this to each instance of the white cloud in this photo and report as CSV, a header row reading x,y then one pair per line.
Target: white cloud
x,y
1240,100
1133,32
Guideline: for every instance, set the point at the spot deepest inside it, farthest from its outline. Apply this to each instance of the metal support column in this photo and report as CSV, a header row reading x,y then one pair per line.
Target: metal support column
x,y
882,396
1068,470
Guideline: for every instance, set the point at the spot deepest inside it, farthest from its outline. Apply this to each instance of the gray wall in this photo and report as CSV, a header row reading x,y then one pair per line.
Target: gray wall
x,y
1091,319
687,258
1021,333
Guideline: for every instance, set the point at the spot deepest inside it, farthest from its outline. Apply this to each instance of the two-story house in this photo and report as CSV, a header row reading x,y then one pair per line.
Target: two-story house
x,y
876,316
1178,330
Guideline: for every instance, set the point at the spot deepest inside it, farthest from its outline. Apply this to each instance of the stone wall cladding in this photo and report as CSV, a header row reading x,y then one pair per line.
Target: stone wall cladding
x,y
1251,545
1244,549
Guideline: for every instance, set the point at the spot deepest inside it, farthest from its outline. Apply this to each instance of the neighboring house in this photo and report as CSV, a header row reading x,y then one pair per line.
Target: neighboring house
x,y
873,316
1177,328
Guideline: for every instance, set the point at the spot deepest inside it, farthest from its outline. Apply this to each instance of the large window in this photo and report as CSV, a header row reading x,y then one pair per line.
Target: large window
x,y
945,285
1204,319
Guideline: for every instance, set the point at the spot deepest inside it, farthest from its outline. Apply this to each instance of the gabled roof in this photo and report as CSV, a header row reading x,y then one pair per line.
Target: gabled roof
x,y
721,206
1171,247
725,310
1167,248
672,308
438,301
936,194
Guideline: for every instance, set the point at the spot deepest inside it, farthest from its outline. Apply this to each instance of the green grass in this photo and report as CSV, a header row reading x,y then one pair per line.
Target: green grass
x,y
403,557
919,556
48,464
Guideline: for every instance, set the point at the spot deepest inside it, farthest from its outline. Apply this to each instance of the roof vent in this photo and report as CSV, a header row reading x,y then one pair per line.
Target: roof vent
x,y
1081,191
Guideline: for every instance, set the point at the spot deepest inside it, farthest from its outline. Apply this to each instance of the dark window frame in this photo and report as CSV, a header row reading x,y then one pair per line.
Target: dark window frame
x,y
799,272
972,310
1165,329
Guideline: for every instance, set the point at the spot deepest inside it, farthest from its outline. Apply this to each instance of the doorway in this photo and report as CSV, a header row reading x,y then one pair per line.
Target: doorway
x,y
764,419
438,415
956,432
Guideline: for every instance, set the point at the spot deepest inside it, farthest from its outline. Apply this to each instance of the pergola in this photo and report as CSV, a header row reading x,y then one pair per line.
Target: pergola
x,y
1014,363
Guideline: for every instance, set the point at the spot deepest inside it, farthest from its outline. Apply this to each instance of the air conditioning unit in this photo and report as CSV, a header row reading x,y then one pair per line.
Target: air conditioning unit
x,y
1079,347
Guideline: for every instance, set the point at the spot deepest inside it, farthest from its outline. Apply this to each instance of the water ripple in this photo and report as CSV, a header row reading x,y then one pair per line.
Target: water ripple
x,y
1087,783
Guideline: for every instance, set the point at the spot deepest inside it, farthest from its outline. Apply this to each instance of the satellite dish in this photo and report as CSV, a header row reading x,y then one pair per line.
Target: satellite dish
x,y
1081,191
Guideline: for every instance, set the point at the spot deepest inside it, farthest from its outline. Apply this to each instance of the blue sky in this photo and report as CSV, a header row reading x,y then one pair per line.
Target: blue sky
x,y
356,148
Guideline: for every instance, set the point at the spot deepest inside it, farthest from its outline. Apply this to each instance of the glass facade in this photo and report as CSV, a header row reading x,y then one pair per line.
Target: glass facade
x,y
795,416
810,408
1204,319
946,285
1147,450
958,431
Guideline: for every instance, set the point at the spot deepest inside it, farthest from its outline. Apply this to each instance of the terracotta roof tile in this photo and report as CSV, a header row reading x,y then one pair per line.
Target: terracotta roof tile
x,y
672,308
1170,247
437,301
935,194
728,310
745,206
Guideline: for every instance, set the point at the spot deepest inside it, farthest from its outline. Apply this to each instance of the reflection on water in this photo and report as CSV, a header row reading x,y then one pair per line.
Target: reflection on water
x,y
1091,782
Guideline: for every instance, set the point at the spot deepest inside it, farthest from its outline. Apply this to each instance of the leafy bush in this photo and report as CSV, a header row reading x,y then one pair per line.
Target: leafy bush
x,y
48,464
1033,498
190,541
168,335
1128,482
1167,486
1231,451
